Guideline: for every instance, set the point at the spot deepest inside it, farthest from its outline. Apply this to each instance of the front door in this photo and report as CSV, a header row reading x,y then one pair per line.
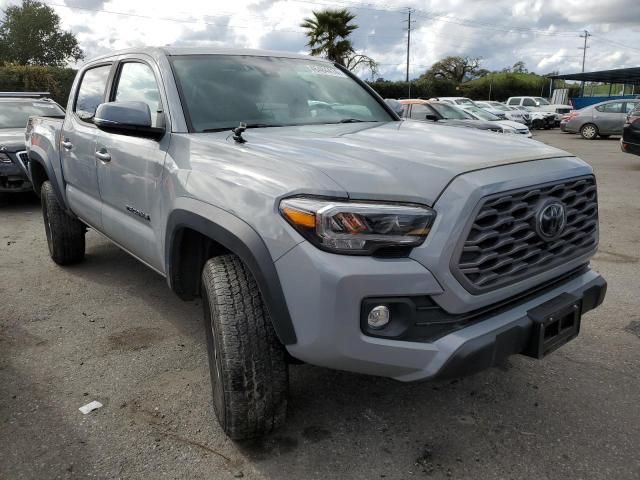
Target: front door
x,y
130,170
78,146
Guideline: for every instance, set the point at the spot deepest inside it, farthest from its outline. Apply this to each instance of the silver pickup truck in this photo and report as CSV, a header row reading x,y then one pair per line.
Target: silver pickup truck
x,y
315,224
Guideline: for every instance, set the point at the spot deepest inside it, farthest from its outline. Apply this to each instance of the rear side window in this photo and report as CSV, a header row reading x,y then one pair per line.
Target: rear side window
x,y
420,112
137,83
514,101
91,92
615,107
529,102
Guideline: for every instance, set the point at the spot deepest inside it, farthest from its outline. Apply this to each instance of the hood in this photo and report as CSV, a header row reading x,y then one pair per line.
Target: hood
x,y
409,161
481,124
12,139
512,124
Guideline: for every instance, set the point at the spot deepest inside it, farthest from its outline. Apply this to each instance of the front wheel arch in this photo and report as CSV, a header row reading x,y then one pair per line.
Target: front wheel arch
x,y
215,232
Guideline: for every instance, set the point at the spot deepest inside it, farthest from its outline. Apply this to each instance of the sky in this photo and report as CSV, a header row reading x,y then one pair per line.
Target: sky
x,y
545,34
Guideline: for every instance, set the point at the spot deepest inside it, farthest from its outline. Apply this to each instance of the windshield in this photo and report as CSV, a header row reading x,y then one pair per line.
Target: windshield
x,y
220,91
450,112
499,106
16,114
482,114
541,101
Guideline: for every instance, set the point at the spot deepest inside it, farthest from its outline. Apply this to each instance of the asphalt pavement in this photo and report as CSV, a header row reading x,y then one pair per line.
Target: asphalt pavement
x,y
110,330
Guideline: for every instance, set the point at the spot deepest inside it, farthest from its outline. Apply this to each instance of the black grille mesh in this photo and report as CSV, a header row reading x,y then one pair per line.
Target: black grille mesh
x,y
24,158
503,247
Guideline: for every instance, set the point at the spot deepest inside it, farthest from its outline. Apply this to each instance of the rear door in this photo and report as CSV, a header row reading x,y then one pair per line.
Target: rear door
x,y
78,145
130,178
609,118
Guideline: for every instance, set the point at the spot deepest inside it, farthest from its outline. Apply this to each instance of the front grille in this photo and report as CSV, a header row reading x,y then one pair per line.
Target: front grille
x,y
563,110
502,245
24,158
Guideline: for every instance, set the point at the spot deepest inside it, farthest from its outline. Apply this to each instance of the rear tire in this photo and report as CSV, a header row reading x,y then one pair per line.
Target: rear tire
x,y
537,124
249,375
589,131
65,234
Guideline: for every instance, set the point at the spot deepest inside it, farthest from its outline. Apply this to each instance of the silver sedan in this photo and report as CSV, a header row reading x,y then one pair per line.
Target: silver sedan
x,y
601,119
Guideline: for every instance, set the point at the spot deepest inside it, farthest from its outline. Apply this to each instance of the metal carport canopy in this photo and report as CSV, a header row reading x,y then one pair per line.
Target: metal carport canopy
x,y
628,76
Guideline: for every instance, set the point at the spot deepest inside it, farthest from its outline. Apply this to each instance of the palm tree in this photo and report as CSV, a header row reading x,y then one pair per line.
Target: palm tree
x,y
327,32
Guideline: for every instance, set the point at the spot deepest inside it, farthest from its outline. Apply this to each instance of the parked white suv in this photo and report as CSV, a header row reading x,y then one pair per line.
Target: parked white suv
x,y
542,104
520,116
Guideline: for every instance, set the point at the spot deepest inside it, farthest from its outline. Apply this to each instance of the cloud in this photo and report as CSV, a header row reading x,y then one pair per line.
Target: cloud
x,y
88,4
542,33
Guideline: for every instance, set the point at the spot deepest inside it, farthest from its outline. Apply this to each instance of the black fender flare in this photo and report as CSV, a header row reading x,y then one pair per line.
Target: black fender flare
x,y
241,239
51,175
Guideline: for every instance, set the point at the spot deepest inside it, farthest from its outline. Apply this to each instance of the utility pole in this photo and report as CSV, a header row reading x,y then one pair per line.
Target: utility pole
x,y
409,22
584,56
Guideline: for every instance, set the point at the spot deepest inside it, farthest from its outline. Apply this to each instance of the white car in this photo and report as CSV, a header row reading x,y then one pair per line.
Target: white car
x,y
521,116
465,102
508,126
540,104
538,119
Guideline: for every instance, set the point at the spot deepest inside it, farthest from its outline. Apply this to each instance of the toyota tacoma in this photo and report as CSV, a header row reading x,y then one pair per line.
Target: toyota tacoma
x,y
316,225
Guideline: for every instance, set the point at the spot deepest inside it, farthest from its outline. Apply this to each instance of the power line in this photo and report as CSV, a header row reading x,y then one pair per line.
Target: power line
x,y
615,42
482,25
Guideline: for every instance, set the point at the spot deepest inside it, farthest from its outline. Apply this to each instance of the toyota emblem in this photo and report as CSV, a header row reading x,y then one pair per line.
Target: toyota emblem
x,y
551,220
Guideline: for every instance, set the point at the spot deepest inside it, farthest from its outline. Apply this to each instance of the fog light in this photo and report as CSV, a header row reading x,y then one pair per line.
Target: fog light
x,y
378,317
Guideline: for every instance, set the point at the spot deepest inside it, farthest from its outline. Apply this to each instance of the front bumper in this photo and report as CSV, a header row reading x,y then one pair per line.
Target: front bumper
x,y
325,298
12,178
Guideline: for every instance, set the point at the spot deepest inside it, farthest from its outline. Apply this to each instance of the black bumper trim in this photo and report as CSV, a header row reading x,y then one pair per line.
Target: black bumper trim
x,y
492,348
420,319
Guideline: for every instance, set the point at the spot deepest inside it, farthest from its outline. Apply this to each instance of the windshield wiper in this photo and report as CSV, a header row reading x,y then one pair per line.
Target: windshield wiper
x,y
353,120
249,125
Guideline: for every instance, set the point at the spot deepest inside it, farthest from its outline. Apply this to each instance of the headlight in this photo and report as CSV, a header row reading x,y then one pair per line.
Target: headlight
x,y
4,158
506,129
357,228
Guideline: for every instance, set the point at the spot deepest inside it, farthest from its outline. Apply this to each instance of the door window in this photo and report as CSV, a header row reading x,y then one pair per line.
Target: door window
x,y
420,112
137,83
529,102
91,92
615,107
630,106
514,101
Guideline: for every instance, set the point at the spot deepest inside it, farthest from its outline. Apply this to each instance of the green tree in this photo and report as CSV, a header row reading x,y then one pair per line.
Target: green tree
x,y
519,67
456,69
328,32
31,35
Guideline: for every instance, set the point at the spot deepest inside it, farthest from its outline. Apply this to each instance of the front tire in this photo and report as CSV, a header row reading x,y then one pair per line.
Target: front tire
x,y
65,234
589,131
249,375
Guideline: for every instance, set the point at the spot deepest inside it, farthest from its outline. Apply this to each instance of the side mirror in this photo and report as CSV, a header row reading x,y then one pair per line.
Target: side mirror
x,y
432,117
127,118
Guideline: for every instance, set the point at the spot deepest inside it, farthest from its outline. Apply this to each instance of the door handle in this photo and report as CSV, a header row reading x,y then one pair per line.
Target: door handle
x,y
103,156
66,144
